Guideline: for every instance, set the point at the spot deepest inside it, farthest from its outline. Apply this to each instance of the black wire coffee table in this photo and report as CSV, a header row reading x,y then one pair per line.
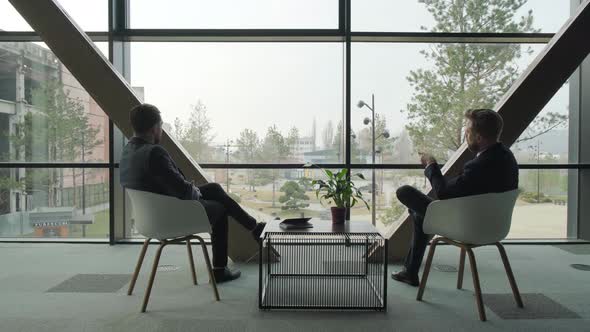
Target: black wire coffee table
x,y
337,267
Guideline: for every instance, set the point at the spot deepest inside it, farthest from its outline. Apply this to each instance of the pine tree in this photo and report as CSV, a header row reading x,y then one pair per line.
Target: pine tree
x,y
466,76
275,149
196,135
294,197
249,150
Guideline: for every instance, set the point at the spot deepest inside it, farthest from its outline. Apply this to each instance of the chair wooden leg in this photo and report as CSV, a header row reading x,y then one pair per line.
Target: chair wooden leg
x,y
476,286
191,261
152,276
427,269
510,275
138,266
461,269
209,268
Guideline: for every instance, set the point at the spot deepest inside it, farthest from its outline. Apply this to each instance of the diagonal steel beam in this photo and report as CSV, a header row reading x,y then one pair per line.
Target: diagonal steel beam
x,y
525,99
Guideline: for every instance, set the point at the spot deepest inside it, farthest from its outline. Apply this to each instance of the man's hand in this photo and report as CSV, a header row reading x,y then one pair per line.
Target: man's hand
x,y
426,159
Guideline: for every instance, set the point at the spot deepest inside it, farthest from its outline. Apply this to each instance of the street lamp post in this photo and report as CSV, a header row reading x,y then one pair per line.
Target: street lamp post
x,y
83,186
83,176
227,146
538,174
385,134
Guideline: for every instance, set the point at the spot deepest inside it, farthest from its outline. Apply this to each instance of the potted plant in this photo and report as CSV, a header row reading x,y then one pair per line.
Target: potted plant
x,y
341,191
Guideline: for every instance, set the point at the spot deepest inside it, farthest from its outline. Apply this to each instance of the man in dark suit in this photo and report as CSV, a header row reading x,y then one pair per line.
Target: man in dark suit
x,y
146,165
494,169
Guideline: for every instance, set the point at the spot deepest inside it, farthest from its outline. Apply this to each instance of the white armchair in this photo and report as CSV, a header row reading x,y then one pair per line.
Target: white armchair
x,y
470,222
169,220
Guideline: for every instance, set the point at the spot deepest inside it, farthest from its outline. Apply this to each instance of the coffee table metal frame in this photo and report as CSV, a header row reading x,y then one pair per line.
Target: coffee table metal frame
x,y
334,270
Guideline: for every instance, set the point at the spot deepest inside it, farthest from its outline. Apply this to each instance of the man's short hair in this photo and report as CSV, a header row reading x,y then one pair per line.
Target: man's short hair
x,y
485,122
144,117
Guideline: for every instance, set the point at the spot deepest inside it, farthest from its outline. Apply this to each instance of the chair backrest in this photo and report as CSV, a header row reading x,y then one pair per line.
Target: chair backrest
x,y
478,219
164,217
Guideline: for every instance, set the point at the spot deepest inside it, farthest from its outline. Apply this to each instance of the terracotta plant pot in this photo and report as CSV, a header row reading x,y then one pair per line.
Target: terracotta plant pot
x,y
338,215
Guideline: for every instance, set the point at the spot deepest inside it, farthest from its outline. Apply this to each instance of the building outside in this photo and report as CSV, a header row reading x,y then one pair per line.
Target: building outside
x,y
47,117
303,145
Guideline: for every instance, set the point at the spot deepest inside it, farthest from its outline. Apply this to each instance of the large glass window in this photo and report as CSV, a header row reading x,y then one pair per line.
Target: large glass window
x,y
45,114
277,103
541,208
247,102
54,203
234,14
459,16
546,140
421,92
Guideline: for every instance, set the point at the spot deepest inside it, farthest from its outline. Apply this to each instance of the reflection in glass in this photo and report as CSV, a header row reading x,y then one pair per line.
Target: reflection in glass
x,y
54,203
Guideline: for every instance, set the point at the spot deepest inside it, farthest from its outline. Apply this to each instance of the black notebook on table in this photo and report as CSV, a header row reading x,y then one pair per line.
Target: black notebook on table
x,y
295,223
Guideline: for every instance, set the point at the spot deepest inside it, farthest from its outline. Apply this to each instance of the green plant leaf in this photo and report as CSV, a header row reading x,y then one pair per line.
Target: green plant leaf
x,y
329,173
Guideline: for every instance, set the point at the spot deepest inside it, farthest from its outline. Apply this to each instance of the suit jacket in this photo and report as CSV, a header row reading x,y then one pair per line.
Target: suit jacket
x,y
494,170
149,167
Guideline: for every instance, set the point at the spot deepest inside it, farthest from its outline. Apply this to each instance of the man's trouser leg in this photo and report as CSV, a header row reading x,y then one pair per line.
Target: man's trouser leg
x,y
218,219
417,203
214,192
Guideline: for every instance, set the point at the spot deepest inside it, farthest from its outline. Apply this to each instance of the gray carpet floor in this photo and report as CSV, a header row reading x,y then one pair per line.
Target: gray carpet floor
x,y
71,287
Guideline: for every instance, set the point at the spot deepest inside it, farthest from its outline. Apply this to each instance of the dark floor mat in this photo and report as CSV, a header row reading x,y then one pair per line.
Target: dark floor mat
x,y
92,283
536,306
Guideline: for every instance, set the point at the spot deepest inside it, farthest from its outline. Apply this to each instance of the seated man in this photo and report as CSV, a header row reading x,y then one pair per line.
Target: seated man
x,y
494,169
147,166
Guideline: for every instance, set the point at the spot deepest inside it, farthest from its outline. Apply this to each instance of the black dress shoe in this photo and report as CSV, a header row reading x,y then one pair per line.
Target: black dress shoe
x,y
225,274
404,276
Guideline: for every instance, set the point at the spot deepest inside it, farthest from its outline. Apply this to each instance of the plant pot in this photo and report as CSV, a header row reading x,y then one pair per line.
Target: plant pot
x,y
338,215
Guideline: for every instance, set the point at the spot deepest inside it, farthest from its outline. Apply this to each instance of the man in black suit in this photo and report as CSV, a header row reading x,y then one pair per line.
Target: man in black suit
x,y
146,165
494,169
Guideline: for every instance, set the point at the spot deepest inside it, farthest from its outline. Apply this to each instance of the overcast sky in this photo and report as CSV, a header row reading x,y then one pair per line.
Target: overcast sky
x,y
255,85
